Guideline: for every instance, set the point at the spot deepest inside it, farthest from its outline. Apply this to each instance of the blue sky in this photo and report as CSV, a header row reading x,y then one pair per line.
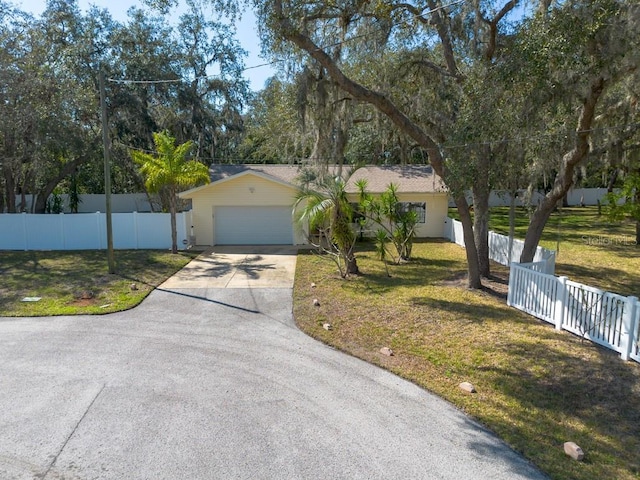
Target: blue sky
x,y
247,33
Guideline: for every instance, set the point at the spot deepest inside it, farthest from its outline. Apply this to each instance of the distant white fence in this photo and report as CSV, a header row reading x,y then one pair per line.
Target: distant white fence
x,y
605,318
499,247
575,197
87,231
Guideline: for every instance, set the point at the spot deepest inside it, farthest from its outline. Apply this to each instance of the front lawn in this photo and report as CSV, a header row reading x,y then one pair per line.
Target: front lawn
x,y
537,387
70,283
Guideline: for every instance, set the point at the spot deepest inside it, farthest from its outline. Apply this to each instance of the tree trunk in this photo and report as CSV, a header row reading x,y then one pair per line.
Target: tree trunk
x,y
42,196
352,266
564,177
637,200
481,192
512,224
173,207
10,189
473,268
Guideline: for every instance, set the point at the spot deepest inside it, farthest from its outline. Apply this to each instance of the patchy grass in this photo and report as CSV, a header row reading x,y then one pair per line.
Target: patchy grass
x,y
537,387
78,282
590,248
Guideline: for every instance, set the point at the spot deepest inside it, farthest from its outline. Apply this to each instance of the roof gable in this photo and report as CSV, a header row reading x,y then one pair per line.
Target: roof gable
x,y
284,173
229,175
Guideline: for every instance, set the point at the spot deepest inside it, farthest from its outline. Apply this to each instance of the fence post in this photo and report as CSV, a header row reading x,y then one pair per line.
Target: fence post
x,y
63,240
136,229
560,302
25,231
628,328
513,273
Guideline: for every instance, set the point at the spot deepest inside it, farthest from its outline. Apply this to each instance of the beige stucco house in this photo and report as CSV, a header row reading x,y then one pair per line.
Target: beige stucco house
x,y
252,204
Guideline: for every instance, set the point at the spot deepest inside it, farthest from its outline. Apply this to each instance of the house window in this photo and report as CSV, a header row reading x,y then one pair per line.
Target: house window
x,y
419,207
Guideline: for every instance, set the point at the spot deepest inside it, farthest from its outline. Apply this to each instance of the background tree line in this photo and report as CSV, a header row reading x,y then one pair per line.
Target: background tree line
x,y
50,130
494,94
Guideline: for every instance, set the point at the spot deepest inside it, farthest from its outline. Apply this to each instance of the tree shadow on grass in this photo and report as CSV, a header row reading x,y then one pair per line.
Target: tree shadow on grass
x,y
569,391
473,313
605,278
414,273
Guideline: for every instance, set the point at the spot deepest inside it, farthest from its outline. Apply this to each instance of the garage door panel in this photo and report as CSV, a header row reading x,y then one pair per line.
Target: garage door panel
x,y
253,225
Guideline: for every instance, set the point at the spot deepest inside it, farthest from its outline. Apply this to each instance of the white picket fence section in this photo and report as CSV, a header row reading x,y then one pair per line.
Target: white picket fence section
x,y
605,318
87,231
499,247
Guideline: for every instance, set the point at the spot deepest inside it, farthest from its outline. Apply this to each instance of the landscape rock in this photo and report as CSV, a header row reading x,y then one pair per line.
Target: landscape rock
x,y
86,295
133,286
327,326
386,351
574,451
316,302
467,387
313,285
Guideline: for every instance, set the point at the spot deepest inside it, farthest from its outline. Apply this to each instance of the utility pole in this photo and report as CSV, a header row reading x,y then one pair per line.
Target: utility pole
x,y
107,172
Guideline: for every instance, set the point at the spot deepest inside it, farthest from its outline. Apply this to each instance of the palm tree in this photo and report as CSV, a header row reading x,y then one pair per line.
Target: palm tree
x,y
327,210
170,172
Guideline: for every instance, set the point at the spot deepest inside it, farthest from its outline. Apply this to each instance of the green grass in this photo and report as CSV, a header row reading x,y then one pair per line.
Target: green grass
x,y
590,248
62,279
537,387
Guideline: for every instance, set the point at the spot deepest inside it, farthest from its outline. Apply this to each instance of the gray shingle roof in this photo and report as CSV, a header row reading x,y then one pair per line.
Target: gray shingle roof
x,y
408,178
285,173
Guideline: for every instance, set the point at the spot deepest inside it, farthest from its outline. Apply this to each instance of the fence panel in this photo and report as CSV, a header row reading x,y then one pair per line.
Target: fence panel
x,y
12,232
87,231
44,232
82,231
533,292
595,314
605,318
499,247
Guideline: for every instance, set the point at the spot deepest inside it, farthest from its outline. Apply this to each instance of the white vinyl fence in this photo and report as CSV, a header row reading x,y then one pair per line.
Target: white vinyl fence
x,y
575,197
605,318
499,247
88,231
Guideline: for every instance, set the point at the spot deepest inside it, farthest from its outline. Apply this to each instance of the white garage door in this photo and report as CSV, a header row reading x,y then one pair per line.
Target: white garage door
x,y
253,226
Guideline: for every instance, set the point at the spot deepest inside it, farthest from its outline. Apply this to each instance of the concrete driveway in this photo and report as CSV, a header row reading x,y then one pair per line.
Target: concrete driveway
x,y
206,382
238,267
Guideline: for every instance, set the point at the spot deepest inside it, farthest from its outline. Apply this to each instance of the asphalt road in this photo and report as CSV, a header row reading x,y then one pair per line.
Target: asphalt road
x,y
203,382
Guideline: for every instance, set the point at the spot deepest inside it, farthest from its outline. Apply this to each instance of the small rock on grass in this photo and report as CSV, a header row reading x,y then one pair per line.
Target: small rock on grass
x,y
313,285
467,387
316,302
386,351
327,326
574,451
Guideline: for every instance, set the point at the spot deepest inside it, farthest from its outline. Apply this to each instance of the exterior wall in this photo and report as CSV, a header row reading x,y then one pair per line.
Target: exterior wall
x,y
247,190
436,215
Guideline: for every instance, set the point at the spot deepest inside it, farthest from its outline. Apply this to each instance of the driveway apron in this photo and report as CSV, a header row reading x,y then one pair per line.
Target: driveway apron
x,y
210,379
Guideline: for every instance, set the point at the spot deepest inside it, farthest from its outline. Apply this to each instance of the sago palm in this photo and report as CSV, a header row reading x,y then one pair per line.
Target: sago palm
x,y
325,208
170,171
